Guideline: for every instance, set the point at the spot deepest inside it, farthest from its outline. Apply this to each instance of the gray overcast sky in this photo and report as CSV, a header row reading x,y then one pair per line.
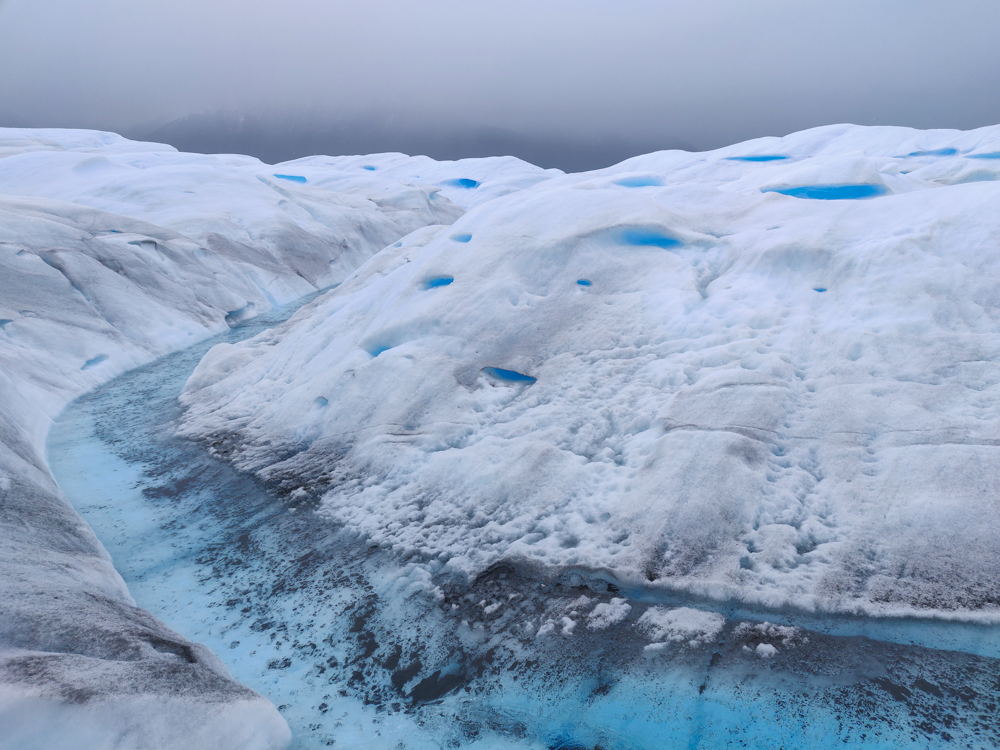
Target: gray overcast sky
x,y
700,73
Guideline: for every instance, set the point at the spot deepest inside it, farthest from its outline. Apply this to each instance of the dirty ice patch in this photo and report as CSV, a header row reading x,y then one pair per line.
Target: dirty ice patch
x,y
606,614
694,627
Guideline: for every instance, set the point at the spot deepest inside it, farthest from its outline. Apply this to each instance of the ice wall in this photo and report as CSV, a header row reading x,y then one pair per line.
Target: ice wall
x,y
768,373
113,253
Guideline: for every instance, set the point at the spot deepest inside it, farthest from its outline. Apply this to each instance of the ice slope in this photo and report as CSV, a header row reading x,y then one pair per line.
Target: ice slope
x,y
667,374
114,253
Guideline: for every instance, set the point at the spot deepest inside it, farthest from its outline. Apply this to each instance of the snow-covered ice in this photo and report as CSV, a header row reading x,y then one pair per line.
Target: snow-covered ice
x,y
766,374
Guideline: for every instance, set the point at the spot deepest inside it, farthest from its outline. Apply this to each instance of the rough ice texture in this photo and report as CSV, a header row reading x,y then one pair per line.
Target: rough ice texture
x,y
776,399
695,627
113,253
606,614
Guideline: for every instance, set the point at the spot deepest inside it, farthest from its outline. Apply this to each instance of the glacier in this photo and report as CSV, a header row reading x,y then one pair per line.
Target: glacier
x,y
691,451
114,253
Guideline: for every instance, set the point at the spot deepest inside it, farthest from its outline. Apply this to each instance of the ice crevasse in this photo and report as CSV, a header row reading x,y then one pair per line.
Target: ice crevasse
x,y
768,373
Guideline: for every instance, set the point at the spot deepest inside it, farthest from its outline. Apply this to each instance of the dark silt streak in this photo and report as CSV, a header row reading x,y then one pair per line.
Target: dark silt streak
x,y
363,649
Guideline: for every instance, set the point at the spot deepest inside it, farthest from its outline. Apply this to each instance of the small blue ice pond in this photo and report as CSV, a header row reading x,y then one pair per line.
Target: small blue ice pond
x,y
935,152
992,155
369,167
440,281
583,282
831,192
291,177
634,182
819,288
511,375
461,182
761,157
647,237
461,237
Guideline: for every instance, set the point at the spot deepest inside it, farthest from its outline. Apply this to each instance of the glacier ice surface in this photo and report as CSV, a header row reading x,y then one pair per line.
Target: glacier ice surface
x,y
767,398
702,435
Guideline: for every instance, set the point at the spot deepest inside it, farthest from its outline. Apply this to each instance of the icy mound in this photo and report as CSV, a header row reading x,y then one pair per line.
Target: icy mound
x,y
768,373
114,253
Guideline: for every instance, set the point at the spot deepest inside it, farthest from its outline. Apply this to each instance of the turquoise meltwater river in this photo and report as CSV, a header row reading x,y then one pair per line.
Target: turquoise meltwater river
x,y
360,649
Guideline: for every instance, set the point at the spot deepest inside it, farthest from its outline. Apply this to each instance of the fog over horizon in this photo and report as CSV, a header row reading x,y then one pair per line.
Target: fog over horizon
x,y
575,85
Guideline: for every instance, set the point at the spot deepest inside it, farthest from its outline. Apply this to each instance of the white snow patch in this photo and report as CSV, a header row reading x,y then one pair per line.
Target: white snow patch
x,y
606,614
694,627
765,650
547,627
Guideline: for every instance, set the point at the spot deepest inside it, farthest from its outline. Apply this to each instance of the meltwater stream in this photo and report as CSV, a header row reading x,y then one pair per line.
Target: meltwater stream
x,y
359,649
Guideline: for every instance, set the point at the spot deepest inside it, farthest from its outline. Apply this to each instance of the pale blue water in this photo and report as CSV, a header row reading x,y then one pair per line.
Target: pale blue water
x,y
461,237
94,362
831,192
511,375
647,238
439,281
359,649
462,182
935,152
762,157
292,178
636,182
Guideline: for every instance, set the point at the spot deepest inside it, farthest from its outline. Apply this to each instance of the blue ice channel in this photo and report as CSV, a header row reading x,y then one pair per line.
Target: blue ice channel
x,y
991,155
831,192
292,178
341,638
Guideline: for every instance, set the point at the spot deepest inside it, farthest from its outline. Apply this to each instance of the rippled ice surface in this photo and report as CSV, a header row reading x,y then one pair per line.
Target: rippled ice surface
x,y
362,650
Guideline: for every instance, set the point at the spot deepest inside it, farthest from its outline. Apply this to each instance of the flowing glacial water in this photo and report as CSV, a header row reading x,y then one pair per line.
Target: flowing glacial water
x,y
359,648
